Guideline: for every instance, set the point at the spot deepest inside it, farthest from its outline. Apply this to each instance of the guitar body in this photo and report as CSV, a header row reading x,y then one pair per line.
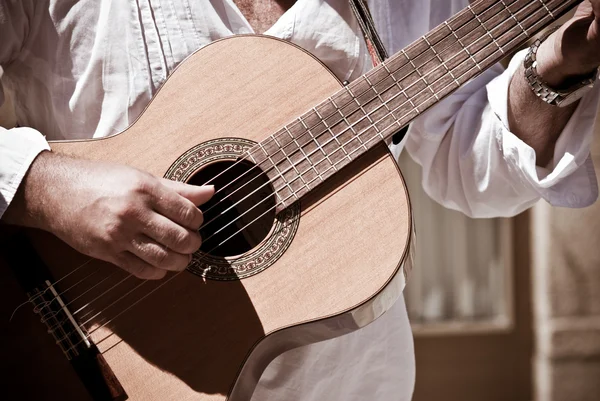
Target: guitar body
x,y
334,265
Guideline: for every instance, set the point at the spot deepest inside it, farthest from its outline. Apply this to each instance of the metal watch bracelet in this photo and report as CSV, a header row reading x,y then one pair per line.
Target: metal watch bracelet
x,y
559,98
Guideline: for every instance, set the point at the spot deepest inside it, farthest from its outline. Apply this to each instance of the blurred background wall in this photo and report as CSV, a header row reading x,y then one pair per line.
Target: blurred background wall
x,y
566,277
506,309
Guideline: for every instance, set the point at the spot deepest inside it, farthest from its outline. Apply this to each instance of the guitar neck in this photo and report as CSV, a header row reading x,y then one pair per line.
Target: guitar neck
x,y
307,151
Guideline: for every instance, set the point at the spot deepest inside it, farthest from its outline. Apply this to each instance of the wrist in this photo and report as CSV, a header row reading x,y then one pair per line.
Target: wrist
x,y
28,205
560,68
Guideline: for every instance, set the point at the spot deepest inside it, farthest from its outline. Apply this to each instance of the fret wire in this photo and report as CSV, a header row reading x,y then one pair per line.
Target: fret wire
x,y
302,151
513,17
396,122
331,133
485,29
377,93
284,140
304,185
288,159
461,43
466,73
306,131
490,56
253,159
384,103
361,107
399,86
548,10
443,63
356,101
276,168
421,77
477,64
350,126
316,142
387,70
300,147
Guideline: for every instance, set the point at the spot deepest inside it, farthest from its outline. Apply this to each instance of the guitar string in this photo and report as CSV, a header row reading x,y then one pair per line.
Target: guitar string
x,y
123,311
293,165
42,293
335,137
158,287
352,152
405,63
364,131
283,202
286,198
226,170
143,297
273,138
287,159
44,316
54,313
251,222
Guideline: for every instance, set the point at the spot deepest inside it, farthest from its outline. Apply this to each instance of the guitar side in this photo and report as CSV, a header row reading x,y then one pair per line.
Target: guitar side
x,y
196,340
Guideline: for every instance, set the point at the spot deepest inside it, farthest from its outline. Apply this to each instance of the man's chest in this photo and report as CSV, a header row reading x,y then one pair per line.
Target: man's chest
x,y
262,14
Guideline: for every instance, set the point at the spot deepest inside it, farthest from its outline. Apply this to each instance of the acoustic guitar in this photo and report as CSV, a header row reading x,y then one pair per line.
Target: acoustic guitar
x,y
308,237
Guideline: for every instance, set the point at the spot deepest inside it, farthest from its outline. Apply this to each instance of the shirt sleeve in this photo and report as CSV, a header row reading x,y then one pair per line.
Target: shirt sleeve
x,y
18,146
471,161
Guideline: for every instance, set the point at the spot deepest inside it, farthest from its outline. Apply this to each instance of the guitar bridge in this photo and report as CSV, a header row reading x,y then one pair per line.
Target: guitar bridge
x,y
73,340
61,324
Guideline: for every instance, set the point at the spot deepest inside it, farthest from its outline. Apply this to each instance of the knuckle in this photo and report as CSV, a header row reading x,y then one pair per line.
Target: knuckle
x,y
142,183
160,256
181,240
113,233
188,214
127,211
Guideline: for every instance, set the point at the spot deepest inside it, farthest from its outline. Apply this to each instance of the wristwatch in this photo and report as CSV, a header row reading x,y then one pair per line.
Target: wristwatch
x,y
555,97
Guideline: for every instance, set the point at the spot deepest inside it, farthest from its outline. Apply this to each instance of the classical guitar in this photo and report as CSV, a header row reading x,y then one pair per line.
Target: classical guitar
x,y
307,238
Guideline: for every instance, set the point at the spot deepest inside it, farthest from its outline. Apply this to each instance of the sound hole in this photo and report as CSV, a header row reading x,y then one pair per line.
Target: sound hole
x,y
241,213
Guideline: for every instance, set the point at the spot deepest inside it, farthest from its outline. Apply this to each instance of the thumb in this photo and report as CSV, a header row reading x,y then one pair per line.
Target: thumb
x,y
198,195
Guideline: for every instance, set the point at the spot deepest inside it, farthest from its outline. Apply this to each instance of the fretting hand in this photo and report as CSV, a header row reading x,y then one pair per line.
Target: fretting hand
x,y
143,224
574,50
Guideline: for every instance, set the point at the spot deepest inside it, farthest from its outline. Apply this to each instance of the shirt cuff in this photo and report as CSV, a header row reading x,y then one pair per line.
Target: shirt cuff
x,y
18,148
569,180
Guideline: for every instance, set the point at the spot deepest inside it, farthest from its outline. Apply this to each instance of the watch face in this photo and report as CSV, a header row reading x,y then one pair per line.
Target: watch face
x,y
574,96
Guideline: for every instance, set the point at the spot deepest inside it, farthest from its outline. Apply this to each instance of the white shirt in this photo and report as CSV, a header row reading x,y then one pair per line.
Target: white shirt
x,y
83,69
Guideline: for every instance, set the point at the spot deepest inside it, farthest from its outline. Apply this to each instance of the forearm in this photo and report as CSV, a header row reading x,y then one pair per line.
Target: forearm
x,y
534,121
566,57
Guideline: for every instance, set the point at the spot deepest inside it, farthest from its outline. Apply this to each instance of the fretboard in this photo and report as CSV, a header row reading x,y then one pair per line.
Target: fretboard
x,y
307,151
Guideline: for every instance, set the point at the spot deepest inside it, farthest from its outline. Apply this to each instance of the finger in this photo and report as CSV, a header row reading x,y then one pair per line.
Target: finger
x,y
176,207
198,195
173,236
158,255
136,266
